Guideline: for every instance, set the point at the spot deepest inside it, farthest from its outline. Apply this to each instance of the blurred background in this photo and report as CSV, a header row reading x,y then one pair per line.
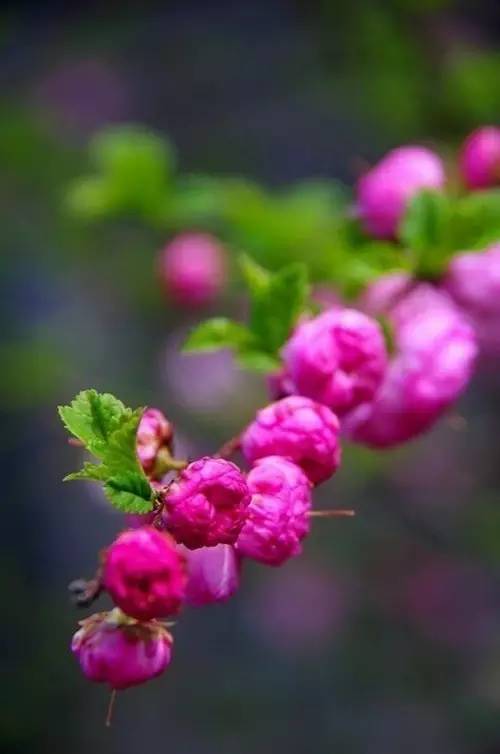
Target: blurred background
x,y
385,636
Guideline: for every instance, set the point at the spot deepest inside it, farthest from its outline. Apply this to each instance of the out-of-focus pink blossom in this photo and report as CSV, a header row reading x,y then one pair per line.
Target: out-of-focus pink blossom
x,y
473,280
278,514
435,352
115,649
193,269
384,191
338,358
480,158
213,574
83,95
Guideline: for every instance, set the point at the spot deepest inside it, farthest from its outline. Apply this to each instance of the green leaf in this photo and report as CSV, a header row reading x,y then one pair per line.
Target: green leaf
x,y
258,361
426,229
276,301
109,430
218,333
355,268
276,307
130,492
256,277
388,331
92,417
120,453
476,221
135,169
426,220
91,471
89,198
130,152
198,201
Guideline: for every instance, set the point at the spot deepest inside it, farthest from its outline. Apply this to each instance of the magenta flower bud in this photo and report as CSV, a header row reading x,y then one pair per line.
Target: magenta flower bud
x,y
338,358
384,191
473,280
154,432
480,158
145,574
207,503
193,269
213,574
299,429
434,360
115,649
278,516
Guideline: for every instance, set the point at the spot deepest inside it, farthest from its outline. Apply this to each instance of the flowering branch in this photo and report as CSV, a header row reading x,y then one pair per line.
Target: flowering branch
x,y
378,372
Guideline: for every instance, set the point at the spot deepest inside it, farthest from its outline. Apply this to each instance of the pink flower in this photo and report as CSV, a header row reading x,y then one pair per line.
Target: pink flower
x,y
278,515
338,358
112,648
192,268
154,432
473,280
207,503
385,190
213,574
145,574
299,429
480,158
434,360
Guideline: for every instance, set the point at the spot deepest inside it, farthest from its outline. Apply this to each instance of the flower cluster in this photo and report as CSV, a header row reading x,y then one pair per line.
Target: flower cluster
x,y
208,516
379,371
434,326
434,354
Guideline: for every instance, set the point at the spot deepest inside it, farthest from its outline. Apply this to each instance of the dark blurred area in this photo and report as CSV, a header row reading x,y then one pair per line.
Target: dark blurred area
x,y
385,636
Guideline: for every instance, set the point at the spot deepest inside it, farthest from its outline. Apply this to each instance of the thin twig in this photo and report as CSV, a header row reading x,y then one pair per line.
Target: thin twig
x,y
111,707
340,513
